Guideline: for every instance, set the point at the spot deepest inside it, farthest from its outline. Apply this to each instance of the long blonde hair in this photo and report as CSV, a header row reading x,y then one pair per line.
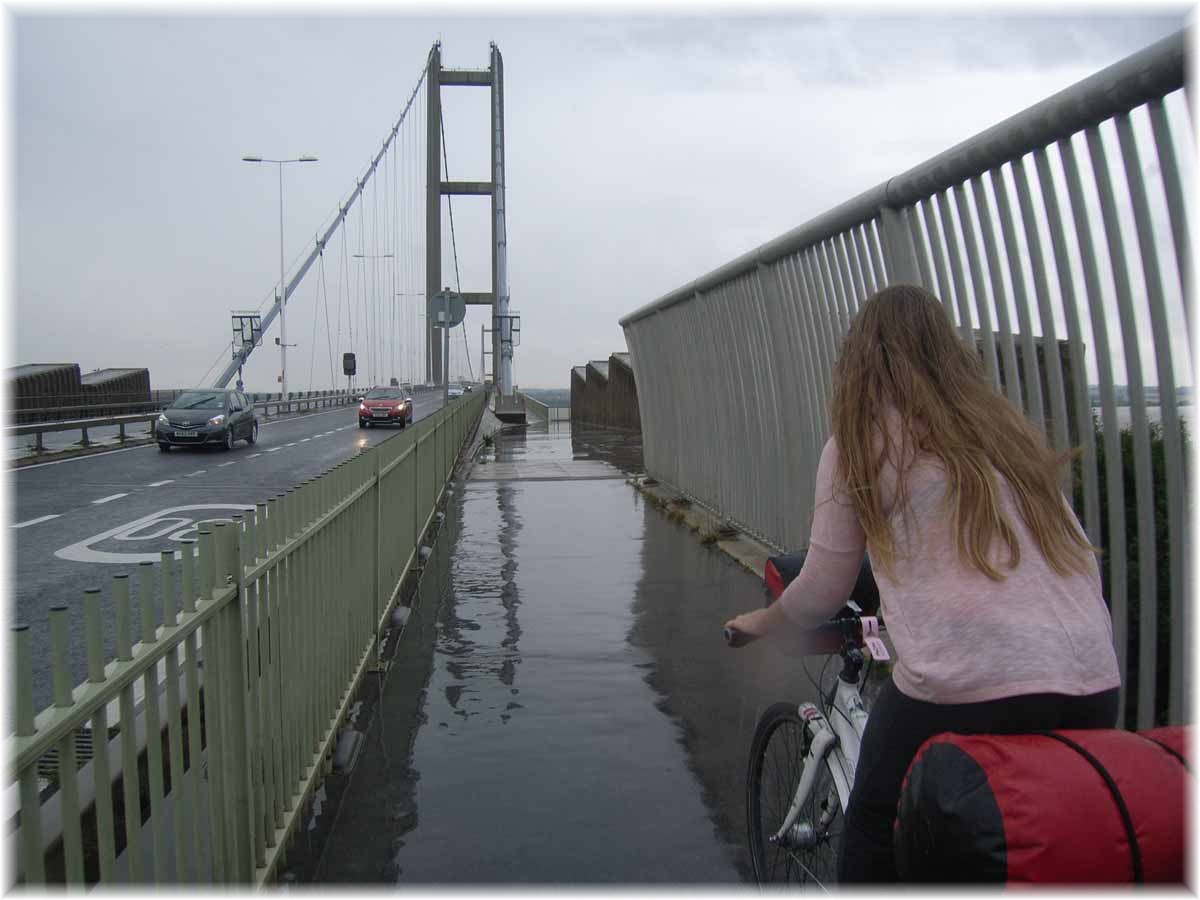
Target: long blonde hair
x,y
903,353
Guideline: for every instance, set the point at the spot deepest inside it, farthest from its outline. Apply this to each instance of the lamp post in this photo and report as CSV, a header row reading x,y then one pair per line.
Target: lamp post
x,y
283,345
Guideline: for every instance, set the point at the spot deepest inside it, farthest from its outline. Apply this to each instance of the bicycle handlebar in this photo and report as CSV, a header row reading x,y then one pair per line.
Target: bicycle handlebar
x,y
848,628
735,638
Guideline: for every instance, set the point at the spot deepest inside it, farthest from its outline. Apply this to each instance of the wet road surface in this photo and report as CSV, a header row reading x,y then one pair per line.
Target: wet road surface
x,y
75,523
559,708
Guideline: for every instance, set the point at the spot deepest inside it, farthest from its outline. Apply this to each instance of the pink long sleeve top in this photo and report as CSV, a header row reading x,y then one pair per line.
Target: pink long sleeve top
x,y
959,636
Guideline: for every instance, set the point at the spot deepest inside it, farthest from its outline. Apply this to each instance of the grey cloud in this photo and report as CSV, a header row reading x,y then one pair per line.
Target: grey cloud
x,y
860,48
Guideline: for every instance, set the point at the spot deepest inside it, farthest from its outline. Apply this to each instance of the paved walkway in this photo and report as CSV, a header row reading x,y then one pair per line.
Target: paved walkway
x,y
559,708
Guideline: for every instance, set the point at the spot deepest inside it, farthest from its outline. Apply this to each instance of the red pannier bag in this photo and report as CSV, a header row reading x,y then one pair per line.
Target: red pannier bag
x,y
1068,807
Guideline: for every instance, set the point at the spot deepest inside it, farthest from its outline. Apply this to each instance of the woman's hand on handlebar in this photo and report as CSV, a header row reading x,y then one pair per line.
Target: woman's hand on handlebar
x,y
741,630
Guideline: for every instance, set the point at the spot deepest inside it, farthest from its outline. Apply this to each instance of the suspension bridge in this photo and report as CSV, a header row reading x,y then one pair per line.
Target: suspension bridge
x,y
475,649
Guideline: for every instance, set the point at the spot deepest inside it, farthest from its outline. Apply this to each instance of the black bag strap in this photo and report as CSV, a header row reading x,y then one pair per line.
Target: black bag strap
x,y
1175,753
1135,849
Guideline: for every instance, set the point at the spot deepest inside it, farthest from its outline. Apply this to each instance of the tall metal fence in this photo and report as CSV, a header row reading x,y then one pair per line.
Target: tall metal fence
x,y
208,735
1058,241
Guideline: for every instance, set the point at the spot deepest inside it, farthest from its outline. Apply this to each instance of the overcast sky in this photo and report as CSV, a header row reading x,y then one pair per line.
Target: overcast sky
x,y
643,151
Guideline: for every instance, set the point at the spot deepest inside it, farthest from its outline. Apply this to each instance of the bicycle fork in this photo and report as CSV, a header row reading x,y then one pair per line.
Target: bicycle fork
x,y
804,835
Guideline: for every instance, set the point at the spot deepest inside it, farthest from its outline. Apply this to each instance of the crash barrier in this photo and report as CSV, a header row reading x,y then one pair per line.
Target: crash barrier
x,y
1058,242
82,406
299,403
253,641
547,414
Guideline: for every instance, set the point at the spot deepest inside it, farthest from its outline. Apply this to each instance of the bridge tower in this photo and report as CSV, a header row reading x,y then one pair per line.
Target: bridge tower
x,y
504,323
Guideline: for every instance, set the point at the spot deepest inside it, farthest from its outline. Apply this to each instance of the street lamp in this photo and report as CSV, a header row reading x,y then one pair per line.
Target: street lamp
x,y
283,345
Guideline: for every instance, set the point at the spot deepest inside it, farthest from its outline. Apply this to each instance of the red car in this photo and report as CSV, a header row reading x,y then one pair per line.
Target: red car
x,y
385,406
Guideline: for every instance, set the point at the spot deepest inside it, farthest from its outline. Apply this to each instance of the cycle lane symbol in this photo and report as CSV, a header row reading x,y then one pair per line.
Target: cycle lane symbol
x,y
166,524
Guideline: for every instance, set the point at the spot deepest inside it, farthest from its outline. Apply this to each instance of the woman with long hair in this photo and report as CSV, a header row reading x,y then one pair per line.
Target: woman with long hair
x,y
988,584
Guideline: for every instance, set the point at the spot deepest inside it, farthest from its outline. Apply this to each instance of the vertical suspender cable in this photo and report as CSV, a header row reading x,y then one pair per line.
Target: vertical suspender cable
x,y
454,248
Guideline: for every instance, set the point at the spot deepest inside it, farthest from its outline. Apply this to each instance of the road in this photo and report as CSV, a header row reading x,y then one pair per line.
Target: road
x,y
76,523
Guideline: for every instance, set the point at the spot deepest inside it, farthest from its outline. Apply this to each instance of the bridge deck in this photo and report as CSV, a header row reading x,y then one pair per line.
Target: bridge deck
x,y
559,707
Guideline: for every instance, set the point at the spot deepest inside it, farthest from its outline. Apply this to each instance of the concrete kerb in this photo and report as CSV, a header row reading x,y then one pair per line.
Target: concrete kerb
x,y
748,552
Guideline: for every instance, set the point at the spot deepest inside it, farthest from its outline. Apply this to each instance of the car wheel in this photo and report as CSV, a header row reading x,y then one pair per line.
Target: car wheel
x,y
229,438
362,424
253,433
164,447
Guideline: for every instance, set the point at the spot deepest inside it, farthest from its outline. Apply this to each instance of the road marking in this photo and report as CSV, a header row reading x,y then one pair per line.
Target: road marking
x,y
106,499
223,465
292,444
302,440
161,483
36,521
273,449
148,528
194,474
254,456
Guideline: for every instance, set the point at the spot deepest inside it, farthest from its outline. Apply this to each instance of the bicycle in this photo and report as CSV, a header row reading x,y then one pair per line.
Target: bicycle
x,y
803,758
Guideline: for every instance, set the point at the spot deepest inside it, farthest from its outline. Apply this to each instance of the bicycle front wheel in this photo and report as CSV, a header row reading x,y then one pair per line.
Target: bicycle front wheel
x,y
807,852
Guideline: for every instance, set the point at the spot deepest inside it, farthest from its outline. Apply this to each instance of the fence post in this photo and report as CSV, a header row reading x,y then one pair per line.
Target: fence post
x,y
376,612
237,744
31,808
899,255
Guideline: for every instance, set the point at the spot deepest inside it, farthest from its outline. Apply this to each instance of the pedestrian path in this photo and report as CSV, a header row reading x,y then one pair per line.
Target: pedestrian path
x,y
543,719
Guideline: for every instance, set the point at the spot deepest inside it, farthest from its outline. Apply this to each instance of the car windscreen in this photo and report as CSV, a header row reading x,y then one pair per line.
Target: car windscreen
x,y
199,400
385,395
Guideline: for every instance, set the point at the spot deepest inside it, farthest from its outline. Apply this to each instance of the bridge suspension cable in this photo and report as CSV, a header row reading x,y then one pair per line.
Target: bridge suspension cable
x,y
454,253
241,355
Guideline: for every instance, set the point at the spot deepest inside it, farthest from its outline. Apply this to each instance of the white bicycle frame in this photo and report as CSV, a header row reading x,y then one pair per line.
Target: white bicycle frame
x,y
839,739
836,742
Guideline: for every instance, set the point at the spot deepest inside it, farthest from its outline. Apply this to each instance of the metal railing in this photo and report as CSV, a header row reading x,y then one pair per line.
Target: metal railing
x,y
546,413
1058,241
261,632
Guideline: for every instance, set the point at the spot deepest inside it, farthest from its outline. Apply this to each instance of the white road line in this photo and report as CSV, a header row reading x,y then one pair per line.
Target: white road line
x,y
302,440
194,474
273,449
223,465
106,499
161,483
35,521
292,444
254,456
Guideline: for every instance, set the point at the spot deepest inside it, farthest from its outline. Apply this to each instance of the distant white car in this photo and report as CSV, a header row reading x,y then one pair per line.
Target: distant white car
x,y
454,391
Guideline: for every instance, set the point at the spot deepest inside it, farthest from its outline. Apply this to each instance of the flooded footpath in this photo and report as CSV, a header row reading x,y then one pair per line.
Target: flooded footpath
x,y
557,706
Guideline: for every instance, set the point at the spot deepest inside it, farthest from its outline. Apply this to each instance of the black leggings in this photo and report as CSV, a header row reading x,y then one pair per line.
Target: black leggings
x,y
899,725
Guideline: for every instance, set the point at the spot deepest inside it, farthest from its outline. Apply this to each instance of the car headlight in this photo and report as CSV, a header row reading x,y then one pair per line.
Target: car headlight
x,y
362,407
217,420
162,419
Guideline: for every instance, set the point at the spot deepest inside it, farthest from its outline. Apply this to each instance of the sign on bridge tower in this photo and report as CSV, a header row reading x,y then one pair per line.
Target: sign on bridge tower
x,y
504,321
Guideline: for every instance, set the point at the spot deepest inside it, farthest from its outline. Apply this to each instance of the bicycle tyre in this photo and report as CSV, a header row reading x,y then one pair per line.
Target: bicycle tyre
x,y
777,760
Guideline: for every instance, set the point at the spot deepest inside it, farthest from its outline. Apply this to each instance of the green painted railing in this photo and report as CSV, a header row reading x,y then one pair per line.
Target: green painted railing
x,y
268,625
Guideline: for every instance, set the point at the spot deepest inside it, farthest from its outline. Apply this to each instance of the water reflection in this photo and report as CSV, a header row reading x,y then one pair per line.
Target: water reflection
x,y
467,636
616,755
713,694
